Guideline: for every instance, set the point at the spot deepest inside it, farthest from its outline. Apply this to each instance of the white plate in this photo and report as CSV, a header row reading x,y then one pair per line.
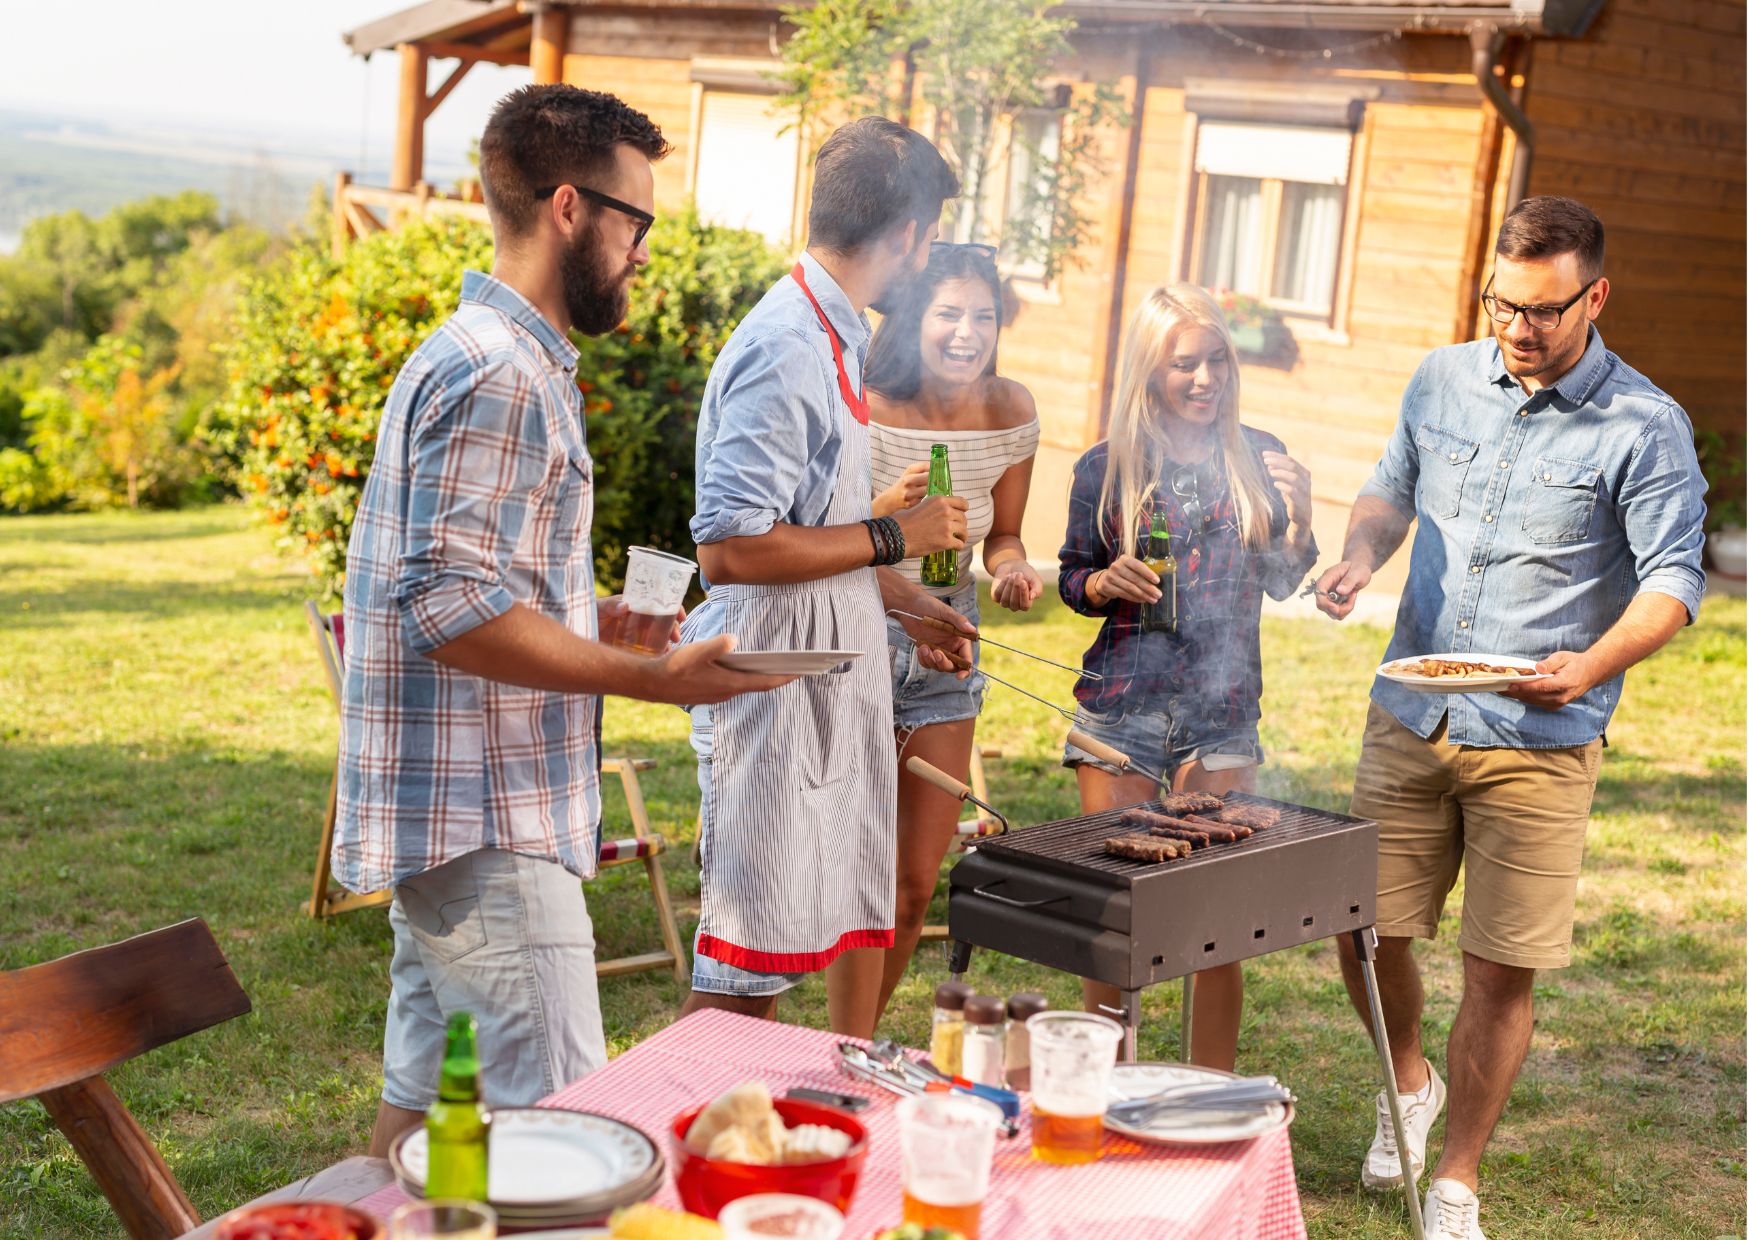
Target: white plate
x,y
1461,684
1138,1080
545,1160
787,662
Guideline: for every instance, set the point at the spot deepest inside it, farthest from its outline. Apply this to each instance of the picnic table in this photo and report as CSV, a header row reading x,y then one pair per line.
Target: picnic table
x,y
1243,1190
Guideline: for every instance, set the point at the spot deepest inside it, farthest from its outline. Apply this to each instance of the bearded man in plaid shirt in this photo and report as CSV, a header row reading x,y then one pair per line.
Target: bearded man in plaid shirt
x,y
477,650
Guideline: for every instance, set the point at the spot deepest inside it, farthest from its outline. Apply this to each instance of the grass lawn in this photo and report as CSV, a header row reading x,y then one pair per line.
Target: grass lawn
x,y
165,746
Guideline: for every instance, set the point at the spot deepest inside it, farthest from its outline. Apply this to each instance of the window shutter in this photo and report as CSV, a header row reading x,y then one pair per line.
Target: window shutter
x,y
746,169
1282,152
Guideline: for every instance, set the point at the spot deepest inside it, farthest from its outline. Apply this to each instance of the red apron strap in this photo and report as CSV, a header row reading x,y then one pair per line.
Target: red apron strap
x,y
857,402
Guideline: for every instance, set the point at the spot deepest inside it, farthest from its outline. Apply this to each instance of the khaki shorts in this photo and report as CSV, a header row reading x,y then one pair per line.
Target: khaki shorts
x,y
1512,819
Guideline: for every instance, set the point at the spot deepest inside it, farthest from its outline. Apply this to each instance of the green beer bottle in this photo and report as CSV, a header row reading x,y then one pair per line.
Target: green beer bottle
x,y
940,568
458,1124
1161,617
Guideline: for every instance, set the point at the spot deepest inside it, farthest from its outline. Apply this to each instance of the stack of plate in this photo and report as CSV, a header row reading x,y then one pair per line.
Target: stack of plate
x,y
551,1168
1188,1127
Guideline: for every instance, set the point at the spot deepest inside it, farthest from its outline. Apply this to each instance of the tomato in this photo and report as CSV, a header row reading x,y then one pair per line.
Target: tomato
x,y
311,1220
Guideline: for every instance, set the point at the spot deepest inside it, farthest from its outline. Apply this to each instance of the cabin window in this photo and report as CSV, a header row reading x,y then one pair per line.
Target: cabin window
x,y
1033,149
747,166
1270,202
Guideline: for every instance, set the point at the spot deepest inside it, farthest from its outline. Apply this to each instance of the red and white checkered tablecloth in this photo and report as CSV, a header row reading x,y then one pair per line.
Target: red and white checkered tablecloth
x,y
1240,1191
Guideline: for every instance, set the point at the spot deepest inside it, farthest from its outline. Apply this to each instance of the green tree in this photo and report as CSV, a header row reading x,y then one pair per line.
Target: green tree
x,y
317,343
979,66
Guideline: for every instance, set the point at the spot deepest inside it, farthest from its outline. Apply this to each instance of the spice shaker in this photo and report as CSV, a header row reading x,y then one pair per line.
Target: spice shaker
x,y
985,1051
1021,1008
947,1033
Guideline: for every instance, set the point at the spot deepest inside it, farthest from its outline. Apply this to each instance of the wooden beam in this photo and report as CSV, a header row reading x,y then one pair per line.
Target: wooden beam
x,y
449,84
467,53
551,36
338,231
1106,350
409,161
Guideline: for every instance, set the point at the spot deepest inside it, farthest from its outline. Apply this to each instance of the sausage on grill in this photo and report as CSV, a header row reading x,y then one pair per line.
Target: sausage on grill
x,y
1165,826
1145,848
1226,833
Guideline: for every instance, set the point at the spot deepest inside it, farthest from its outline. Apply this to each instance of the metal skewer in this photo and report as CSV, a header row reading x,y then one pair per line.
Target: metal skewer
x,y
990,641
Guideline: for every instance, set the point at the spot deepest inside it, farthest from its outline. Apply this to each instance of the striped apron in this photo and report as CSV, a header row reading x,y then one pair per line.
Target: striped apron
x,y
799,844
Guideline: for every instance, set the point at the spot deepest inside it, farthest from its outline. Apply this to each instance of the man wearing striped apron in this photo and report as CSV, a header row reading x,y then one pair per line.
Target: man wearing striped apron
x,y
799,791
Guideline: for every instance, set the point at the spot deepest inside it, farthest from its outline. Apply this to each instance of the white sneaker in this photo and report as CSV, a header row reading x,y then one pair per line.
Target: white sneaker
x,y
1383,1166
1452,1212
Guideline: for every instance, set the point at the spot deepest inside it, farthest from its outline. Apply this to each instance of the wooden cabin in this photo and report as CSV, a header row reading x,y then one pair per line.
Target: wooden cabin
x,y
1346,162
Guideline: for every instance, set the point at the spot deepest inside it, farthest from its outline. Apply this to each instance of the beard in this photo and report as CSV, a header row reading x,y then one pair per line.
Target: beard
x,y
597,293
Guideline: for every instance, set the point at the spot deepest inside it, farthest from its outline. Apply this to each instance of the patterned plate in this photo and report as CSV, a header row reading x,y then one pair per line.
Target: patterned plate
x,y
545,1160
1137,1080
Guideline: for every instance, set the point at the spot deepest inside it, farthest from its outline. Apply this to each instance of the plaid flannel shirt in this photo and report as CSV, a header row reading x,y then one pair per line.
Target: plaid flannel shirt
x,y
480,496
1213,664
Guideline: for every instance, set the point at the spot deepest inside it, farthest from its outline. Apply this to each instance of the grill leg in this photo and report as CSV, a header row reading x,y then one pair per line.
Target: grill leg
x,y
958,958
1131,1023
1365,948
1189,1014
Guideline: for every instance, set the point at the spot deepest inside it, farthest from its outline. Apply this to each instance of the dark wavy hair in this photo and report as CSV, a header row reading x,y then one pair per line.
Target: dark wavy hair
x,y
553,134
894,358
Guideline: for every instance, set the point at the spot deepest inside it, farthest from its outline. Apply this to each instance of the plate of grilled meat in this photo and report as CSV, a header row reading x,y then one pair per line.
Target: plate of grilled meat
x,y
1460,672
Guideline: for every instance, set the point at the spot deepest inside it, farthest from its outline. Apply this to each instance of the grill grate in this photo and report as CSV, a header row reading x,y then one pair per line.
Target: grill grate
x,y
1075,845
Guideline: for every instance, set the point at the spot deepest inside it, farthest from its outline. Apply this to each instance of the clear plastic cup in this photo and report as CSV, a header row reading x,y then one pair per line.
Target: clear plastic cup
x,y
947,1142
450,1220
765,1216
655,587
1073,1054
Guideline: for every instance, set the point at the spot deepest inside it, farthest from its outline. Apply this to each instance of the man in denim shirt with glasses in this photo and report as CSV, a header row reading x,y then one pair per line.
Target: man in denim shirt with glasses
x,y
1559,511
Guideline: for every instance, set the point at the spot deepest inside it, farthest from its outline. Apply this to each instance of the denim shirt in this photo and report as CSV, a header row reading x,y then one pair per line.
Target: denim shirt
x,y
1539,518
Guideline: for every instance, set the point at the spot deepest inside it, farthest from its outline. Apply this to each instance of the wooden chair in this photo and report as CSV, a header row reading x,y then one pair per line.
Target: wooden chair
x,y
65,1023
645,845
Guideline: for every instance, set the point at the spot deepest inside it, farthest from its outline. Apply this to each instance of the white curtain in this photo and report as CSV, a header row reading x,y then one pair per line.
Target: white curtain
x,y
1232,235
1308,244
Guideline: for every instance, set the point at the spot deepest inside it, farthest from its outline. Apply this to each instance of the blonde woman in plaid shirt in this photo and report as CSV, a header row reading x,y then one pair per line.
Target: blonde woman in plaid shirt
x,y
477,651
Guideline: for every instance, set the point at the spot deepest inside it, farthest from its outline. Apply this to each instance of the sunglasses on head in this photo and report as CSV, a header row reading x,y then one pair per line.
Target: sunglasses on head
x,y
976,247
643,219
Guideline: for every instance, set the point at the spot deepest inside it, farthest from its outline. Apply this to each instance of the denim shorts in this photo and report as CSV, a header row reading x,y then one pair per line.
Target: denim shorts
x,y
921,695
709,975
508,938
1164,740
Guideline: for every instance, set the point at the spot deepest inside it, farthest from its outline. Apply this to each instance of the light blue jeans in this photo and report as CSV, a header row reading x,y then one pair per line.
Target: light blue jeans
x,y
508,938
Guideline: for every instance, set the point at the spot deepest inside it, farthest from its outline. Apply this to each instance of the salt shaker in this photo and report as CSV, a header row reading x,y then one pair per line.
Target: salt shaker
x,y
1021,1008
985,1041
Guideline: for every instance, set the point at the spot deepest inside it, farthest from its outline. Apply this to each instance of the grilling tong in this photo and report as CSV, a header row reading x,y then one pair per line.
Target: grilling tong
x,y
886,1064
964,666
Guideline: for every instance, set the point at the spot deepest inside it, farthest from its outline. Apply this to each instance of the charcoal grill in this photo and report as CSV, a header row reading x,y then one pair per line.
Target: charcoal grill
x,y
1051,895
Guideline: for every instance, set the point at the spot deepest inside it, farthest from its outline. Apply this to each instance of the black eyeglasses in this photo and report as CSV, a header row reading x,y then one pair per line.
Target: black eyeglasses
x,y
1539,317
976,247
643,218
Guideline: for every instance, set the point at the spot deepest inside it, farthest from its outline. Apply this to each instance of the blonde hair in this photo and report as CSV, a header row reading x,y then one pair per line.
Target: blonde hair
x,y
1136,451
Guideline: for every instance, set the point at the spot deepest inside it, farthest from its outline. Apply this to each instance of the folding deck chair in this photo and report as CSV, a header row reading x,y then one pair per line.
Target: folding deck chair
x,y
645,845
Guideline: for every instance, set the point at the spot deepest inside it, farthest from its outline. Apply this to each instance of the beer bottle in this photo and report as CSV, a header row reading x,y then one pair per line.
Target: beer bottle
x,y
1161,617
458,1124
940,568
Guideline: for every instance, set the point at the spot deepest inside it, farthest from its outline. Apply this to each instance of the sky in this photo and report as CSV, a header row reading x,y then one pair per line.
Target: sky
x,y
272,71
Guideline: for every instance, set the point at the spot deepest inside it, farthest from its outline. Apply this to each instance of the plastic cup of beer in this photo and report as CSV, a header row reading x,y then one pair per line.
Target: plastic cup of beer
x,y
766,1216
655,586
947,1142
1073,1054
448,1220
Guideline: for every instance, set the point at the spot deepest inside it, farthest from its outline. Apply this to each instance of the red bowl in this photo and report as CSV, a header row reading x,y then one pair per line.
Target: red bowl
x,y
708,1184
297,1220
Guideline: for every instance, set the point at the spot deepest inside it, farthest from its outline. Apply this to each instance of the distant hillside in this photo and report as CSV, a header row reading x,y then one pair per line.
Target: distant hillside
x,y
50,164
